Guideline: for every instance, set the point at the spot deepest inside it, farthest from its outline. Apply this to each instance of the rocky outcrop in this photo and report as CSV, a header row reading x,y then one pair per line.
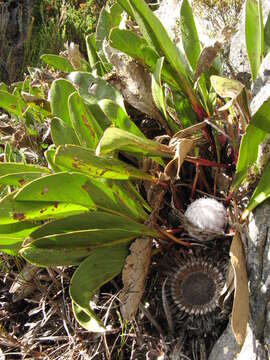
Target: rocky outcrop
x,y
15,27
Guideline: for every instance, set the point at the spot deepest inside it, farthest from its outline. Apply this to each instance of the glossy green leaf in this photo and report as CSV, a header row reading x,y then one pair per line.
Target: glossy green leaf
x,y
13,235
118,139
14,168
254,35
62,134
136,47
248,152
57,62
93,89
261,193
11,103
84,124
87,192
96,220
261,118
189,35
84,160
13,211
119,117
184,110
49,156
71,239
101,266
93,58
91,323
59,94
19,179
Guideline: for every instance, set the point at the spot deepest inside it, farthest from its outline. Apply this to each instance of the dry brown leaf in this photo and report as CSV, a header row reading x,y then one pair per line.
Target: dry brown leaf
x,y
23,285
206,58
183,147
134,275
228,287
240,309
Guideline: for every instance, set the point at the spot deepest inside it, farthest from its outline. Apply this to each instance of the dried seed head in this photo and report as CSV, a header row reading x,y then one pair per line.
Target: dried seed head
x,y
205,219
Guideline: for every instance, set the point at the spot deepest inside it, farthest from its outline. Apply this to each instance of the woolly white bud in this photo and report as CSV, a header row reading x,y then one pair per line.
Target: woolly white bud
x,y
206,215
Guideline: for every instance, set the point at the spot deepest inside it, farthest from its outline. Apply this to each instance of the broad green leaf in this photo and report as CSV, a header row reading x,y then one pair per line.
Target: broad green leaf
x,y
248,152
261,193
155,34
101,266
91,323
93,89
19,179
13,235
119,117
57,62
254,35
60,187
84,124
59,93
84,160
49,156
70,240
87,192
189,35
184,110
11,103
118,139
93,58
14,168
261,118
62,134
96,220
158,95
13,211
136,47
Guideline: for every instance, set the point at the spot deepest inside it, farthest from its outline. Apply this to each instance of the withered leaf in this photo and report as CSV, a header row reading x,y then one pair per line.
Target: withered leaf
x,y
182,148
134,275
240,309
206,58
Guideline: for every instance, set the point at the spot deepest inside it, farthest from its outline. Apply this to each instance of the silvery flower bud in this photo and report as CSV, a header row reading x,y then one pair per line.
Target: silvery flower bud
x,y
205,219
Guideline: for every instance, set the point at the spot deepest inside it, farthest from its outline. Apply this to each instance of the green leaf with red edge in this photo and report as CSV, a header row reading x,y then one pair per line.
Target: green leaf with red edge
x,y
79,159
84,124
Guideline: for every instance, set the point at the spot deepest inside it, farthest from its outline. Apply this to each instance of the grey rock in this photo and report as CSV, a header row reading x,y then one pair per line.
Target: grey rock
x,y
226,348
